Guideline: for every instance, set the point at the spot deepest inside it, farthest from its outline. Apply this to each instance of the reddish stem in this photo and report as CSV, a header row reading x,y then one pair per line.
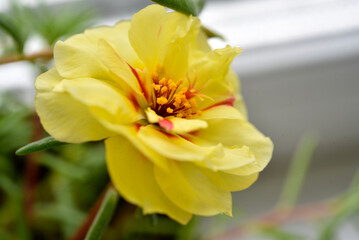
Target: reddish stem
x,y
32,171
45,54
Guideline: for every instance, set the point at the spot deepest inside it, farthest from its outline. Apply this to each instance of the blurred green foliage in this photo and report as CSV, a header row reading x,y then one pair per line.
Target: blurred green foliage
x,y
21,22
71,178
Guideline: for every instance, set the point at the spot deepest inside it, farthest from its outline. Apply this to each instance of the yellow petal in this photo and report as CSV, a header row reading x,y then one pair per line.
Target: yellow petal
x,y
69,120
233,158
221,112
214,65
190,189
237,133
174,146
130,132
145,34
182,125
62,116
211,72
152,116
234,85
48,80
184,31
117,37
201,45
163,39
118,66
77,57
104,101
174,124
229,182
132,174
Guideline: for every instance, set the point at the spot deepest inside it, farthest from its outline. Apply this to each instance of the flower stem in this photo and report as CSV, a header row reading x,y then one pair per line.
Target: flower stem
x,y
82,231
31,172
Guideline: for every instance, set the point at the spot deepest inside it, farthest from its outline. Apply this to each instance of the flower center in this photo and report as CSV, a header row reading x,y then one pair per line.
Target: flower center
x,y
170,98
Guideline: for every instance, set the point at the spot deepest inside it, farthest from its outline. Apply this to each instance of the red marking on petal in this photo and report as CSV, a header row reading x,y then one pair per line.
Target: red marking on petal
x,y
143,89
137,126
134,102
186,137
227,102
159,31
166,124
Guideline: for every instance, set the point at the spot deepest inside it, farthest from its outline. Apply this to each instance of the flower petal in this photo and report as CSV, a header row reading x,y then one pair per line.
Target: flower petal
x,y
234,84
130,132
233,158
175,62
229,182
77,57
62,116
132,174
221,112
214,65
190,189
117,37
145,34
213,75
182,125
174,124
104,101
163,39
69,120
174,146
47,81
114,62
237,133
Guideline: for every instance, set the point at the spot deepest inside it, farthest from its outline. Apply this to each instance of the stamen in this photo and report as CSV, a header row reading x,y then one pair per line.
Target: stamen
x,y
157,87
162,100
164,89
162,81
171,98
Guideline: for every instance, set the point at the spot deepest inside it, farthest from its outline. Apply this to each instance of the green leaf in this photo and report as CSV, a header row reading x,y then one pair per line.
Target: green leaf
x,y
37,146
59,165
103,215
348,207
8,26
61,213
188,7
14,192
298,170
279,234
211,34
62,23
188,232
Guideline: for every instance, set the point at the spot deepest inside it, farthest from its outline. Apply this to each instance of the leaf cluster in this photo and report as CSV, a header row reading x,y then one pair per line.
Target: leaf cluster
x,y
20,23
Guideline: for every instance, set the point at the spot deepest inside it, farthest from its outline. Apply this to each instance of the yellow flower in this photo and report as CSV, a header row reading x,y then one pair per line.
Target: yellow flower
x,y
177,138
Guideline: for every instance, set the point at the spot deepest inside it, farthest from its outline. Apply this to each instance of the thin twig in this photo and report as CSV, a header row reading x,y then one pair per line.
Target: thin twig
x,y
44,54
31,171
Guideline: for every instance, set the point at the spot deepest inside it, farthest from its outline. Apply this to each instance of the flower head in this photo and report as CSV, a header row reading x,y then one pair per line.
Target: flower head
x,y
177,138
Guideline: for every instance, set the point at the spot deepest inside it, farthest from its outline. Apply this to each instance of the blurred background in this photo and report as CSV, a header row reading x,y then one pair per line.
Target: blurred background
x,y
300,79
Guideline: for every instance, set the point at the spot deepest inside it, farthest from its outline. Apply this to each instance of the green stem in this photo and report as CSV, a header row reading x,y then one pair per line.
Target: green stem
x,y
103,215
298,170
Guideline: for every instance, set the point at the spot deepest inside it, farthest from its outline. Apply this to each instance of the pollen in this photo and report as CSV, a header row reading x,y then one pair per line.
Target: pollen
x,y
157,87
164,89
162,100
173,98
162,81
